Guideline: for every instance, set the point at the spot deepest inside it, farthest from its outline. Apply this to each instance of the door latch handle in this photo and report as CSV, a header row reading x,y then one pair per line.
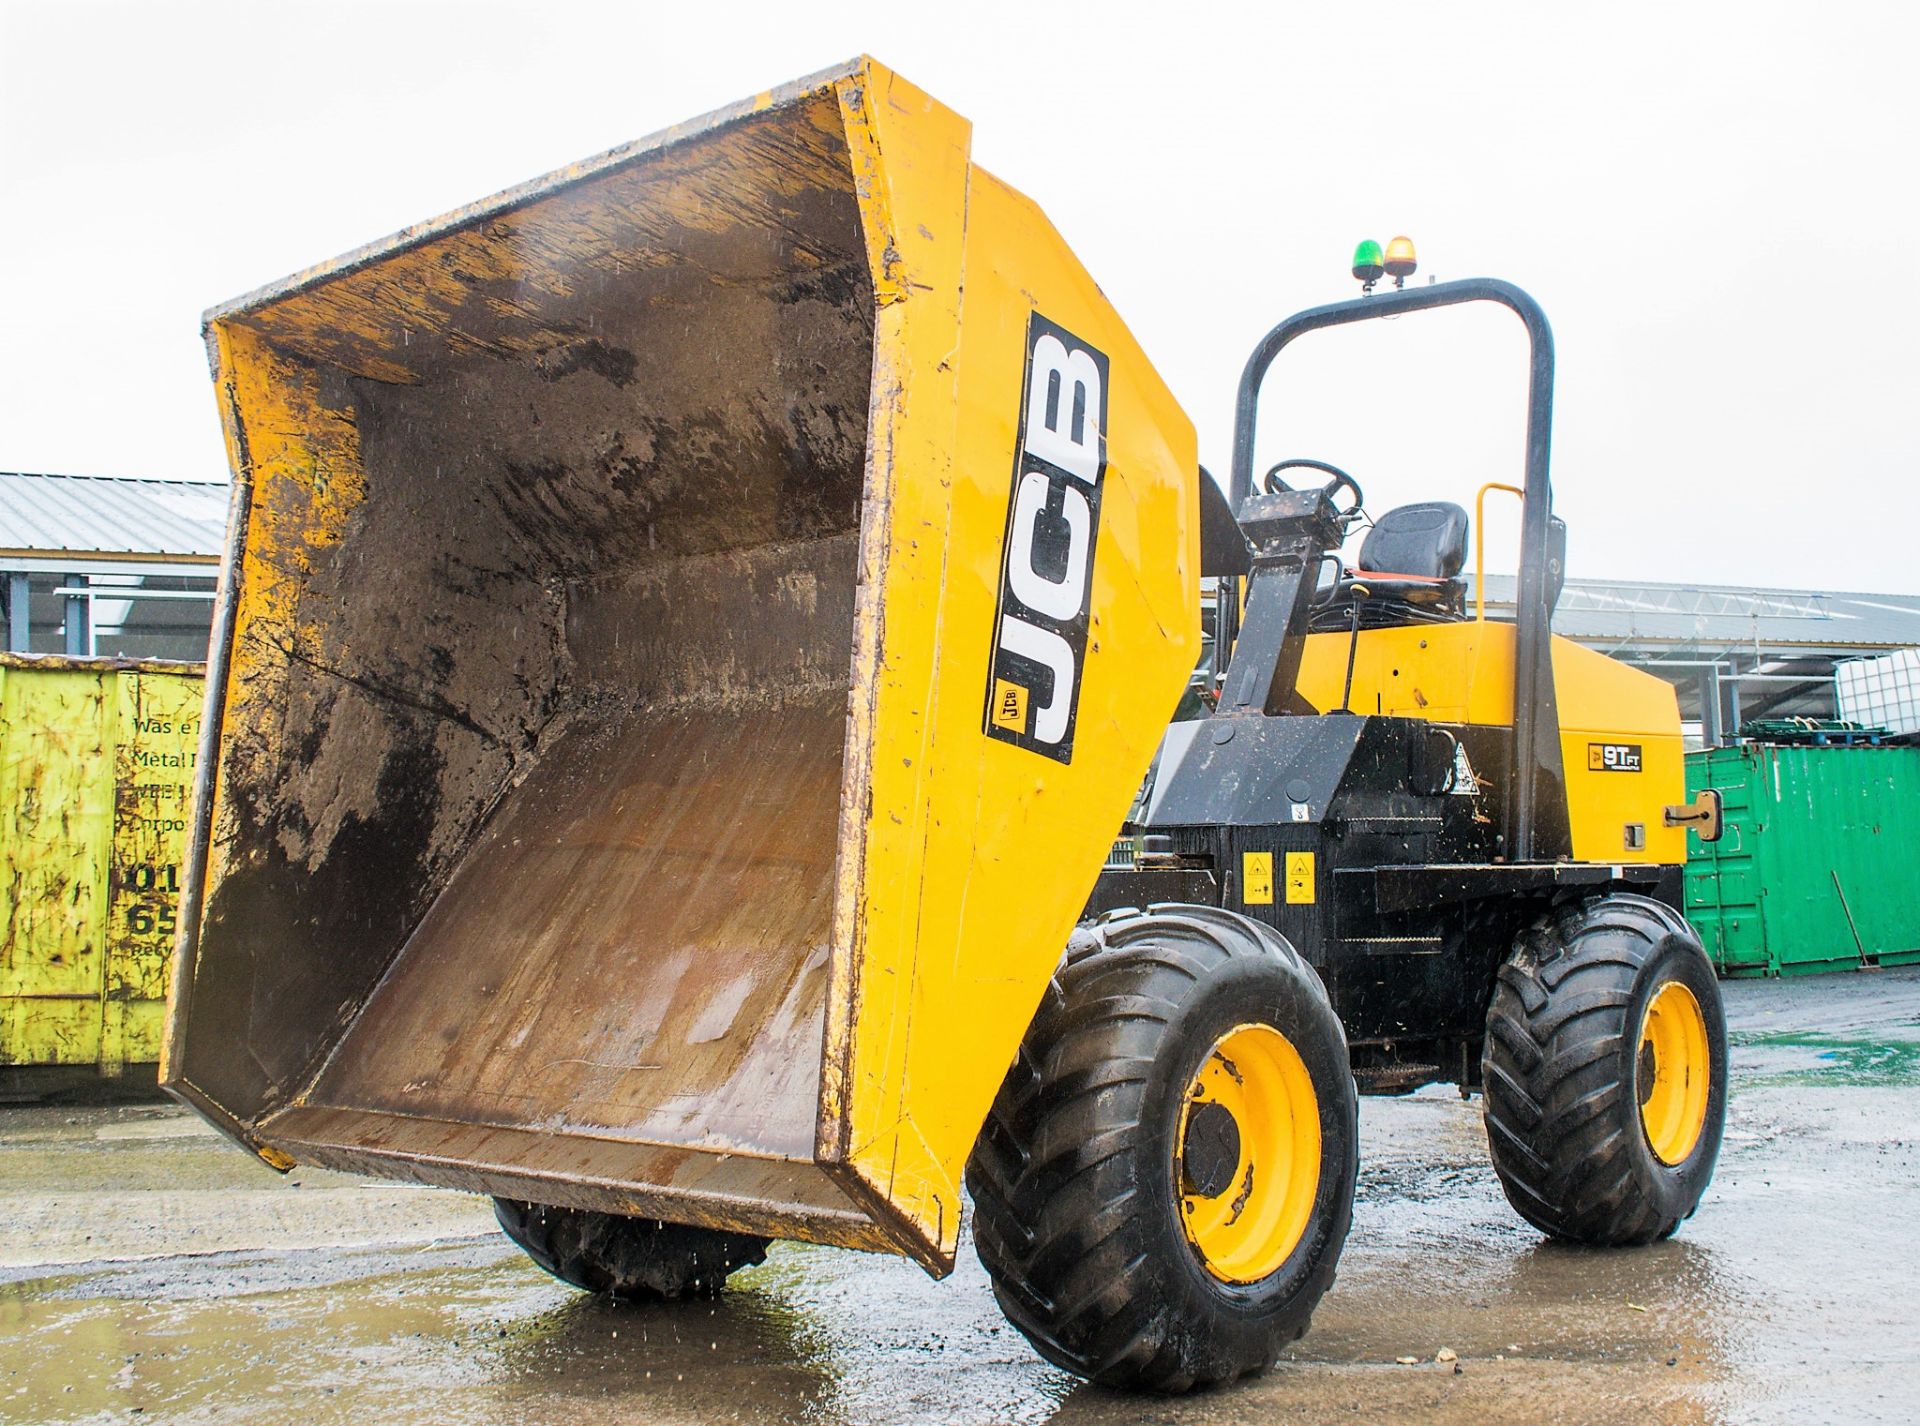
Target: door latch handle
x,y
1702,815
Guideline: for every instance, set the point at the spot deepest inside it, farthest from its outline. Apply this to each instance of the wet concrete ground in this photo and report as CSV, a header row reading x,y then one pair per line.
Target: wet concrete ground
x,y
150,1272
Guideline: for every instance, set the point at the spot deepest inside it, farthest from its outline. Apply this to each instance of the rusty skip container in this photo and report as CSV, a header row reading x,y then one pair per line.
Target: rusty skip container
x,y
690,627
96,763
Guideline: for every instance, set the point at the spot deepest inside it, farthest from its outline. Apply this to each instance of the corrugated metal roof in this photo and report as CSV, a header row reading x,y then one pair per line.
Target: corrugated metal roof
x,y
1620,615
88,514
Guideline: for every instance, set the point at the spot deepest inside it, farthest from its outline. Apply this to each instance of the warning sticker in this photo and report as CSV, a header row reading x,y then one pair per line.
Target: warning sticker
x,y
1299,878
1256,874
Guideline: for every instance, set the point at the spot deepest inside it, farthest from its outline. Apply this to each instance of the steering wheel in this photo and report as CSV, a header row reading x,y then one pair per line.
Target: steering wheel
x,y
1274,484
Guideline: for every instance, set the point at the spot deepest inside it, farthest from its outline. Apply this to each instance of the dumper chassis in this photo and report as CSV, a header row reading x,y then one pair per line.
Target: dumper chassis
x,y
1409,886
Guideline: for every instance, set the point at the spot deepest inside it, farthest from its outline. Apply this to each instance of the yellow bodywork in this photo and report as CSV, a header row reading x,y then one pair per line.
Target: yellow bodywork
x,y
863,833
96,759
1463,673
970,859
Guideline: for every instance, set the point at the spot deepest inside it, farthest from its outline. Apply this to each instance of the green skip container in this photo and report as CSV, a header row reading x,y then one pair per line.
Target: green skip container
x,y
1818,868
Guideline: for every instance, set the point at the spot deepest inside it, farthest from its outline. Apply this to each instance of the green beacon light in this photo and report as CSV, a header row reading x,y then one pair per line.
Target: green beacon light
x,y
1368,264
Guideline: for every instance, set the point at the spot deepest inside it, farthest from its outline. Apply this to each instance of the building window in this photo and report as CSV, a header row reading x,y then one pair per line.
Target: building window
x,y
127,616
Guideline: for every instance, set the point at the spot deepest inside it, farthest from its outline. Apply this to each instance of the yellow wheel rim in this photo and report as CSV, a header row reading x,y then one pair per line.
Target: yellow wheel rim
x,y
1674,1073
1248,1154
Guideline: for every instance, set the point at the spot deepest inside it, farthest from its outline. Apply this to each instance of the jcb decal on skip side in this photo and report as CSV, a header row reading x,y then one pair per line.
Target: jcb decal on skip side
x,y
1046,573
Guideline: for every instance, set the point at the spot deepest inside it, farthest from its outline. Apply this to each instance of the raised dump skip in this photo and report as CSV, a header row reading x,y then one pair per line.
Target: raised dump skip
x,y
611,806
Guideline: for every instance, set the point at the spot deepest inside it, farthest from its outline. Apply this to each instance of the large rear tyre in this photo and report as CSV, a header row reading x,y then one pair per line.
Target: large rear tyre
x,y
631,1259
1606,1072
1166,1179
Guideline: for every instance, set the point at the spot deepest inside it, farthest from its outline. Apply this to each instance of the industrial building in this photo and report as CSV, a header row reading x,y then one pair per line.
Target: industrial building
x,y
109,567
1737,654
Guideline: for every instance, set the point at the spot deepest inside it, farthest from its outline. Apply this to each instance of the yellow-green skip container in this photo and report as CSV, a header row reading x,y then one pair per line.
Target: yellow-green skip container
x,y
96,771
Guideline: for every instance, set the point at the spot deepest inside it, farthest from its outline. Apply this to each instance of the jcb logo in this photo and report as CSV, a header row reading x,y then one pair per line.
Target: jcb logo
x,y
1040,633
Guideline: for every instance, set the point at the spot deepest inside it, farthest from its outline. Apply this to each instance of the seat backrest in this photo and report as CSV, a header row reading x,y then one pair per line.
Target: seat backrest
x,y
1428,540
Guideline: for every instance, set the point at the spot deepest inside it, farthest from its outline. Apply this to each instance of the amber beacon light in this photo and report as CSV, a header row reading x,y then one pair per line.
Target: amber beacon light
x,y
1400,261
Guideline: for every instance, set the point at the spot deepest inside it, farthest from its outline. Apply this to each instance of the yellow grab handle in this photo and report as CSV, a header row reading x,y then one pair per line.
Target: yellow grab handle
x,y
1480,544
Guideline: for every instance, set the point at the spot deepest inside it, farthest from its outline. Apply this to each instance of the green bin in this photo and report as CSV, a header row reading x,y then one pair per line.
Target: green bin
x,y
1819,864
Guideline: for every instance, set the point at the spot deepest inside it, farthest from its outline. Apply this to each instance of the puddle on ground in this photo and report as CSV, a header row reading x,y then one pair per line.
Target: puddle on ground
x,y
1812,1058
1786,1299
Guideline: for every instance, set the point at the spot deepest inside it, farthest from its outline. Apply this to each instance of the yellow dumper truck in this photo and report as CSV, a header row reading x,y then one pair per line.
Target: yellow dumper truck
x,y
691,629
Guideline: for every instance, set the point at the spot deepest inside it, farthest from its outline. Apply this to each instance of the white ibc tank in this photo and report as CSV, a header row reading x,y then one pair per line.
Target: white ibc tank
x,y
1882,692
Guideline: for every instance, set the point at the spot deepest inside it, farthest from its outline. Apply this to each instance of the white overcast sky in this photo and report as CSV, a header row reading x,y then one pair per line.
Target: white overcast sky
x,y
1717,205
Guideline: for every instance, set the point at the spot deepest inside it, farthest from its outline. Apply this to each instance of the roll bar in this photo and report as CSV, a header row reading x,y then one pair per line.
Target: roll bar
x,y
1536,730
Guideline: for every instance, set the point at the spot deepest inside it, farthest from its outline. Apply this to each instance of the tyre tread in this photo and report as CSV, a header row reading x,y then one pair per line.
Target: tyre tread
x,y
1053,1195
1555,1031
628,1258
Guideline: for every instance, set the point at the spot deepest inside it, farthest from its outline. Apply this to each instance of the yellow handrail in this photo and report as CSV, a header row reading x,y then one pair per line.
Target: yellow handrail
x,y
1480,544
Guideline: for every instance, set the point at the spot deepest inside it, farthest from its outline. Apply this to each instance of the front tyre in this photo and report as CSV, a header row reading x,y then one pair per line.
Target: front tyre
x,y
1166,1179
630,1259
1606,1072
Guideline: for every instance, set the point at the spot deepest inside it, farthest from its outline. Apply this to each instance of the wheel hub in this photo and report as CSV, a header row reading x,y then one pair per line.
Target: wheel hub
x,y
1210,1151
1673,1073
1249,1154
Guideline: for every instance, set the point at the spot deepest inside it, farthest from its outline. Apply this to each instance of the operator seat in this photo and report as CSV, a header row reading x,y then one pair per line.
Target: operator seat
x,y
1410,564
